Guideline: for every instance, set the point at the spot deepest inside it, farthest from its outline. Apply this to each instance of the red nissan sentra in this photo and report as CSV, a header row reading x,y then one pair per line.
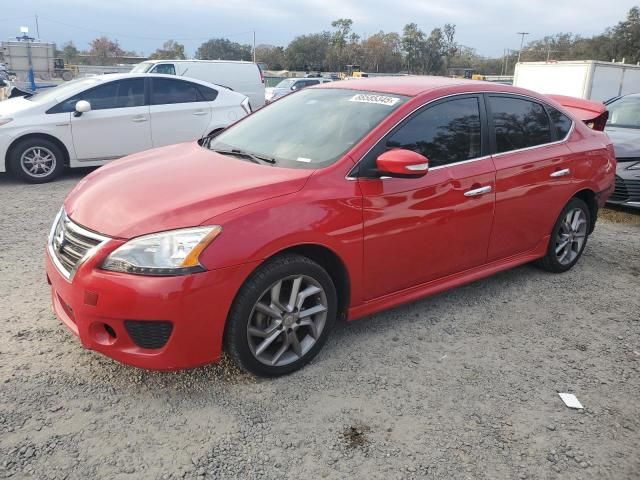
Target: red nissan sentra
x,y
334,202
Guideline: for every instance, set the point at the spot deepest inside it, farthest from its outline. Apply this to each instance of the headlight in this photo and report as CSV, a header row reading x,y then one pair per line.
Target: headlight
x,y
4,121
634,166
175,252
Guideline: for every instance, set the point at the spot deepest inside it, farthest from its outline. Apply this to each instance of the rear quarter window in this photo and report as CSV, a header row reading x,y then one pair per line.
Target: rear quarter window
x,y
560,123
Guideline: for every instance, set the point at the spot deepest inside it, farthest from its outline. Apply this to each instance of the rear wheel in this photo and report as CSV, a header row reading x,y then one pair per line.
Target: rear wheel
x,y
36,160
569,237
281,317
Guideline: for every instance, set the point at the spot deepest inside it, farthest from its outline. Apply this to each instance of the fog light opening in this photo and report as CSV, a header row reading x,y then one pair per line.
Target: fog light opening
x,y
110,331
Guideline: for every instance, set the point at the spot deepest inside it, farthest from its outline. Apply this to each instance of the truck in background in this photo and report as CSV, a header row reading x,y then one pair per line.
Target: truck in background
x,y
17,54
588,79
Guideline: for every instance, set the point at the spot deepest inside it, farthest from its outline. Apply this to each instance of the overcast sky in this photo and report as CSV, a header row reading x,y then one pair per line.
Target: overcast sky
x,y
487,25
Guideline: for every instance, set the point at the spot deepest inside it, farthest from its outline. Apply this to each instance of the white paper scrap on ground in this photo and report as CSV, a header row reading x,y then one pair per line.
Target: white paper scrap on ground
x,y
570,400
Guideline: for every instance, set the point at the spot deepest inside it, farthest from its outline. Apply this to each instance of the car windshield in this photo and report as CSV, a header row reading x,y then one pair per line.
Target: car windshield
x,y
309,129
624,112
64,90
143,67
286,83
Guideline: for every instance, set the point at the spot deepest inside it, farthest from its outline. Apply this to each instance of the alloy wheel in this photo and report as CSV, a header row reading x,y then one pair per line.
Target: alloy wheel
x,y
287,320
571,236
38,162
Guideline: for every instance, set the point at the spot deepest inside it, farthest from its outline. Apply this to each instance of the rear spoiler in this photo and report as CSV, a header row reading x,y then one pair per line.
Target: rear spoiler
x,y
593,114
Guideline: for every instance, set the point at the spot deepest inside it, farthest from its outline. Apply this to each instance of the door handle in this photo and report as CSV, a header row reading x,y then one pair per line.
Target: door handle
x,y
560,173
200,112
477,191
139,119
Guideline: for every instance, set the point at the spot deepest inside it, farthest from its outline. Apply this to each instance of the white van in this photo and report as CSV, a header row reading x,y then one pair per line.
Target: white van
x,y
242,77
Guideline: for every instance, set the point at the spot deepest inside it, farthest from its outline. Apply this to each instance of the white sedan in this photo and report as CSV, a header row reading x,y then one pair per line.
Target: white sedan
x,y
89,121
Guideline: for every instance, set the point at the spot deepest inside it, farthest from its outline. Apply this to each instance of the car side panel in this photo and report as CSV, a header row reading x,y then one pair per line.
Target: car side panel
x,y
57,125
303,218
594,162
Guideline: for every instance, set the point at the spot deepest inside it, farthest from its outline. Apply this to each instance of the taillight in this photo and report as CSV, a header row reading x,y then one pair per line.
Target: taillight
x,y
599,122
245,105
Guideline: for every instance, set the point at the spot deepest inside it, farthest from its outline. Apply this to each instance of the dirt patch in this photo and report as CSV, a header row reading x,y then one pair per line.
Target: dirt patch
x,y
355,436
620,215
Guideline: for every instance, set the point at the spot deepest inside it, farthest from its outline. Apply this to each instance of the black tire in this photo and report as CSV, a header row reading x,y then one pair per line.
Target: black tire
x,y
551,262
236,339
47,147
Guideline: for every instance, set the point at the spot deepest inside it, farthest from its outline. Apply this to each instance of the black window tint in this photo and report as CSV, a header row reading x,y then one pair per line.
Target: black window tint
x,y
209,94
561,123
445,133
167,91
119,94
167,69
519,123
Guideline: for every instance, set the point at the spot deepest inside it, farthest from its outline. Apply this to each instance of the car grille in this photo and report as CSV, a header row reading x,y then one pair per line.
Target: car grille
x,y
70,244
620,193
626,190
149,334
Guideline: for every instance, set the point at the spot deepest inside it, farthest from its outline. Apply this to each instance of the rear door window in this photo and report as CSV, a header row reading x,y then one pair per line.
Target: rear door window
x,y
168,91
518,123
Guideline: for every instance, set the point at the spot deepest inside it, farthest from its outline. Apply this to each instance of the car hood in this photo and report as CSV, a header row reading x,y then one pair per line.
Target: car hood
x,y
15,105
626,141
173,187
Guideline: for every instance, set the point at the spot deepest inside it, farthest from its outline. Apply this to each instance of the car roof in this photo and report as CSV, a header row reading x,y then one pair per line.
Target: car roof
x,y
413,85
244,62
120,76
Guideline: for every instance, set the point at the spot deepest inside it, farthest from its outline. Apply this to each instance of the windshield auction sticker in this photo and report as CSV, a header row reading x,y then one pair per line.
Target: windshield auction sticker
x,y
379,99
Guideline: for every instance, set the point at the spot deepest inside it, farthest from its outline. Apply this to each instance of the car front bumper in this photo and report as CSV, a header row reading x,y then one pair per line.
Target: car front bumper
x,y
627,186
100,308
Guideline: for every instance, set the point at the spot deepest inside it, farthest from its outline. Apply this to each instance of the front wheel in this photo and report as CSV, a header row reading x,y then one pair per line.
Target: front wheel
x,y
36,160
569,237
281,317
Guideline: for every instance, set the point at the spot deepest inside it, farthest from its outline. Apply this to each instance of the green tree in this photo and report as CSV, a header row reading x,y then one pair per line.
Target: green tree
x,y
413,44
273,57
170,50
308,52
70,52
382,52
105,48
223,49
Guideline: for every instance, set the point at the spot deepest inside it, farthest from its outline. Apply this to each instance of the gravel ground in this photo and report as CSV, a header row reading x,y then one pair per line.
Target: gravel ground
x,y
461,385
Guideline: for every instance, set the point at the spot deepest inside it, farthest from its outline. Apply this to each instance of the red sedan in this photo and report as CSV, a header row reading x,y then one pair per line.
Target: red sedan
x,y
335,202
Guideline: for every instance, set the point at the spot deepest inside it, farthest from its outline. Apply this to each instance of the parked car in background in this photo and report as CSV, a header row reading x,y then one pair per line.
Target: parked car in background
x,y
89,121
241,77
290,85
269,232
623,127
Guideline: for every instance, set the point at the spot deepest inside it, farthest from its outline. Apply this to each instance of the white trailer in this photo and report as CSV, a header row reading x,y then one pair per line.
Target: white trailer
x,y
16,57
588,79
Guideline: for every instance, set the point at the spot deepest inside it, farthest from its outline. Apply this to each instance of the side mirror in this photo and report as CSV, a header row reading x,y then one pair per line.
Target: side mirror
x,y
402,163
82,106
294,87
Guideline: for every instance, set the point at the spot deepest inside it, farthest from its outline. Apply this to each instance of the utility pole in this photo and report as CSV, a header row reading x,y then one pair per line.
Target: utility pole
x,y
521,43
254,46
37,28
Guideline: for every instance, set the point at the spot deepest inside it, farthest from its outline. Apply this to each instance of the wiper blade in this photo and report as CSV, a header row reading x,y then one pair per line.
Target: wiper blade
x,y
251,156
